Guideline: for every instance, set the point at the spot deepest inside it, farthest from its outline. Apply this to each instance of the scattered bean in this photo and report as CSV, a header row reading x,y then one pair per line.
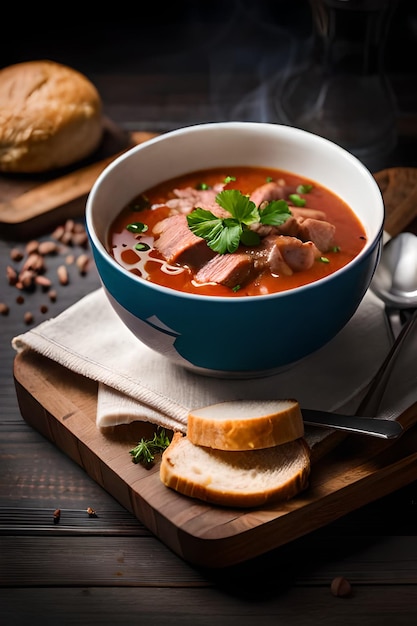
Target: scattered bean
x,y
66,237
11,275
58,232
32,246
62,273
16,254
82,263
47,247
34,262
341,587
33,270
43,281
28,317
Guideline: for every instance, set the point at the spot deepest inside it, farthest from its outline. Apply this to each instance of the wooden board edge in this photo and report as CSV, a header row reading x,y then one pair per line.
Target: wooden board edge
x,y
260,530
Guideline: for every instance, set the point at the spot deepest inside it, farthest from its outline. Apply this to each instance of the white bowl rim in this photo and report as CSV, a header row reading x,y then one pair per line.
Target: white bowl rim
x,y
370,244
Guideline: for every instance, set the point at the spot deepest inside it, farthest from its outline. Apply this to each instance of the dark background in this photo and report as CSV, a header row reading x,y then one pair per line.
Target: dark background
x,y
213,57
181,35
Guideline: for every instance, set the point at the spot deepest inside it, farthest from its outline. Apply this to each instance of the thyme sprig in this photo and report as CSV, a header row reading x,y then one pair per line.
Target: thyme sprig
x,y
144,452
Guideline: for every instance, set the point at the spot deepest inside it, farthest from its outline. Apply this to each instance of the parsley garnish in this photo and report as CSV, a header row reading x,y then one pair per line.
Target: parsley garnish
x,y
224,234
146,449
137,227
297,199
304,188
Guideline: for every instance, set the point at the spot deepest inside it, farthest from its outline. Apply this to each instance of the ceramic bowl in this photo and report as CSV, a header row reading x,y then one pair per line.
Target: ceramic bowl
x,y
247,336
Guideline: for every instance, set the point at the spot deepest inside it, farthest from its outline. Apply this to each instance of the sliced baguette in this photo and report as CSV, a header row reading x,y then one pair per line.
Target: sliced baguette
x,y
236,478
245,424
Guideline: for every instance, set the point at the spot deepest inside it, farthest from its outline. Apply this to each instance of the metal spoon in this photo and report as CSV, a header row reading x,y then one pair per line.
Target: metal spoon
x,y
395,282
364,421
395,279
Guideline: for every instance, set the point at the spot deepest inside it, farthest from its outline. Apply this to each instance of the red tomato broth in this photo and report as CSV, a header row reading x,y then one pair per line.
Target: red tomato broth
x,y
350,233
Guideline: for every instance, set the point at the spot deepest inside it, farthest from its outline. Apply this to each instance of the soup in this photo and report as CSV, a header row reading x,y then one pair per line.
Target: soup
x,y
240,231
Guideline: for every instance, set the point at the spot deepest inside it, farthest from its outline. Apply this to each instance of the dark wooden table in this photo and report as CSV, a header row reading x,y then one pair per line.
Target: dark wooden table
x,y
109,568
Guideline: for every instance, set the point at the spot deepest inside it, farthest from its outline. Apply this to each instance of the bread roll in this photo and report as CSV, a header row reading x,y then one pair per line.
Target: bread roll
x,y
236,478
245,424
50,117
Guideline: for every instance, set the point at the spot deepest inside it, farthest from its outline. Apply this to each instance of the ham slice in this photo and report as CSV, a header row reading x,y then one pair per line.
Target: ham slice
x,y
177,244
227,269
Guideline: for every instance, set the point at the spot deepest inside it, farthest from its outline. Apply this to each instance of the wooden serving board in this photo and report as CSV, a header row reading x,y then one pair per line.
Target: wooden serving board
x,y
62,406
30,205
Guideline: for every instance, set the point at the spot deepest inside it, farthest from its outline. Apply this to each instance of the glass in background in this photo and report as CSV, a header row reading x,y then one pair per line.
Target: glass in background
x,y
342,91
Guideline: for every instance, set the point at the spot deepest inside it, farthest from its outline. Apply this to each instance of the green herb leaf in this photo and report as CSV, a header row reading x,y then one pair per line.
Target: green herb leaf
x,y
238,205
203,223
229,179
224,234
137,227
275,213
304,188
146,449
249,237
142,247
297,200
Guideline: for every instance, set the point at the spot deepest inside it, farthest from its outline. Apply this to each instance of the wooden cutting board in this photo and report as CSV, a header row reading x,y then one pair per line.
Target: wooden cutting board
x,y
347,471
62,406
32,205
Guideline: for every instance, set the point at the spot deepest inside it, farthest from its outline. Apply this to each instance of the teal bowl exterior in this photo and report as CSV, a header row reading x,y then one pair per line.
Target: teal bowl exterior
x,y
230,337
245,337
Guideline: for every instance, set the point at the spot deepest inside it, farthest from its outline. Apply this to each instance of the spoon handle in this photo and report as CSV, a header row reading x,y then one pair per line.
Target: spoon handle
x,y
372,400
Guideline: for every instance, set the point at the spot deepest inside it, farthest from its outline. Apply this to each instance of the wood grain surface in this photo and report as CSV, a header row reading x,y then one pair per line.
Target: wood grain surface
x,y
399,189
29,205
62,407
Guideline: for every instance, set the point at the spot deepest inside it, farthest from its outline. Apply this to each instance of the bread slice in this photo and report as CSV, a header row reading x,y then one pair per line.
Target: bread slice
x,y
246,424
248,478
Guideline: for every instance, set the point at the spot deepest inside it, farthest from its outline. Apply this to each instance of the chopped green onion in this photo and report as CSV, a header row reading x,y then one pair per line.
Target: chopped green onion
x,y
297,200
142,247
137,227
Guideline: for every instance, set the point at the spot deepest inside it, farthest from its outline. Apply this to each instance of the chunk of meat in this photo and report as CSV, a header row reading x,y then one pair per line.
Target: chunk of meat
x,y
189,198
319,232
227,269
298,255
302,212
277,264
274,190
177,244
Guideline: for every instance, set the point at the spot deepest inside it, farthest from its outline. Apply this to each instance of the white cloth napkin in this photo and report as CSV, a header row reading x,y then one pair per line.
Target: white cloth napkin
x,y
136,383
